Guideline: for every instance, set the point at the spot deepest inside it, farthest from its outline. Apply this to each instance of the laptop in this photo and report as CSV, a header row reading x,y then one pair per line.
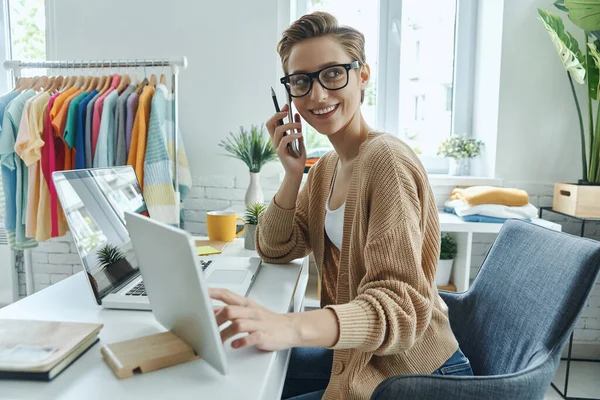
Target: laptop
x,y
178,294
94,203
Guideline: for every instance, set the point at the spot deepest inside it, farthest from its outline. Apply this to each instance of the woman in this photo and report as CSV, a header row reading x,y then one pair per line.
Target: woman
x,y
368,213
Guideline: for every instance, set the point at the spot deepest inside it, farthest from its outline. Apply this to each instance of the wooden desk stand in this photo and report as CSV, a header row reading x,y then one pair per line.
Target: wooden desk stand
x,y
146,354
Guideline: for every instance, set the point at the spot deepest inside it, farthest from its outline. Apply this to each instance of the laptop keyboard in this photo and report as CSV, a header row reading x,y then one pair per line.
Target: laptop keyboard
x,y
140,289
137,290
205,264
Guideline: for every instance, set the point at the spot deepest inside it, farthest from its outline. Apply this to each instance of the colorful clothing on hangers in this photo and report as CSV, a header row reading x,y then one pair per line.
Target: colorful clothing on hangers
x,y
81,150
132,106
59,123
28,182
52,152
158,190
120,125
104,155
17,171
9,181
89,114
98,108
38,222
70,134
139,133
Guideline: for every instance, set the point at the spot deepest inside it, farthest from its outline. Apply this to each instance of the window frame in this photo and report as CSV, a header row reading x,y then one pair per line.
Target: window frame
x,y
5,47
388,82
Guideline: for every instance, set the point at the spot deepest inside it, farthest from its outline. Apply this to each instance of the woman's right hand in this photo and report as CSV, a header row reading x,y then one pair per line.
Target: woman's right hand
x,y
292,165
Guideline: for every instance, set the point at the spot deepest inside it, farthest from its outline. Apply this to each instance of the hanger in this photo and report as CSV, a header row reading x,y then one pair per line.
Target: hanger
x,y
19,84
80,79
107,82
65,81
56,84
71,81
125,81
143,83
98,80
163,79
40,83
87,84
32,82
153,77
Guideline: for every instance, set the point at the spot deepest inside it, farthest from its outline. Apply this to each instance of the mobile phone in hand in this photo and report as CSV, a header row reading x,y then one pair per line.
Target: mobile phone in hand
x,y
293,147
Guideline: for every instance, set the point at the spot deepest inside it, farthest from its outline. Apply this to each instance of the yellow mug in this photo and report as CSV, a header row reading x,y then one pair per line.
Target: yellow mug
x,y
221,225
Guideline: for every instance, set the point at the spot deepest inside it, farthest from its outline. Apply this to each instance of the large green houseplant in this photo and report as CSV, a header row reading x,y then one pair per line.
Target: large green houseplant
x,y
583,69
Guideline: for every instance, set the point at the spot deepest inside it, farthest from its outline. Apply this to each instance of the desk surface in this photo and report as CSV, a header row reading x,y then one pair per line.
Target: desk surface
x,y
253,374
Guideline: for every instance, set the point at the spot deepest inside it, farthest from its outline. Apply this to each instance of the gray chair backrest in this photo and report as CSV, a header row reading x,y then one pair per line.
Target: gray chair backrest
x,y
525,299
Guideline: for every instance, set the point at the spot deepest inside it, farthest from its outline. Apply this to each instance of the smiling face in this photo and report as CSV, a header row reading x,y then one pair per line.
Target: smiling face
x,y
328,111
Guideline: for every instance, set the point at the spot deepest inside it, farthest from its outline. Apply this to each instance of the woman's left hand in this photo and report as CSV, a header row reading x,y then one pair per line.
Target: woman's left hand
x,y
266,330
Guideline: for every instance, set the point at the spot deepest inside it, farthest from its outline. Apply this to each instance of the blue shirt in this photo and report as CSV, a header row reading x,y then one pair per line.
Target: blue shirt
x,y
18,171
9,180
80,141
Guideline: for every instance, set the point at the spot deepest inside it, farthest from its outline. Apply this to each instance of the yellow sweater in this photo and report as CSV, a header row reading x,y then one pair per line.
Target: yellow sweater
x,y
382,285
475,195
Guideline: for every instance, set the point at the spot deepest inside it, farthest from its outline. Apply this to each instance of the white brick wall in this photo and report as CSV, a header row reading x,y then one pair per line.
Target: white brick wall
x,y
57,259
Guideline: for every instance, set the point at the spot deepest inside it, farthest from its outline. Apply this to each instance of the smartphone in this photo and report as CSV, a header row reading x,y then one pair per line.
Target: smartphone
x,y
294,147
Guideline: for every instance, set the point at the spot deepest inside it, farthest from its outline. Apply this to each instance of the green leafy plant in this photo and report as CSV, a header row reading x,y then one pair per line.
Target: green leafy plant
x,y
252,146
459,147
448,248
252,213
581,68
109,254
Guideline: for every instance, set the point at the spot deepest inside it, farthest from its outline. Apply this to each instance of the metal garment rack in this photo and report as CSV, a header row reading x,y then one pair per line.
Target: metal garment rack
x,y
16,66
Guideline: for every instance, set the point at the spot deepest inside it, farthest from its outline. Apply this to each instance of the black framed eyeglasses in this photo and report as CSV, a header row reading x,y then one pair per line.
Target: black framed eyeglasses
x,y
333,77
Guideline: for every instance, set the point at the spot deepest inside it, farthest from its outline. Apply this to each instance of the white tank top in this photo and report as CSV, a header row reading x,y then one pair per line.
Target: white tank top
x,y
334,220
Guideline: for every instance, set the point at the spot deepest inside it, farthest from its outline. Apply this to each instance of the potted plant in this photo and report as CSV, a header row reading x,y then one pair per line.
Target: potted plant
x,y
114,262
583,69
459,149
251,217
448,250
255,149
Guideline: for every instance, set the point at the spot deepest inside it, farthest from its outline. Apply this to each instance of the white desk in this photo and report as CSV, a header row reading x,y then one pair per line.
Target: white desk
x,y
463,232
253,374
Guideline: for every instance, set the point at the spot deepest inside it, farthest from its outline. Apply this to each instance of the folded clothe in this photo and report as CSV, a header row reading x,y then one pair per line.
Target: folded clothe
x,y
463,209
476,195
482,218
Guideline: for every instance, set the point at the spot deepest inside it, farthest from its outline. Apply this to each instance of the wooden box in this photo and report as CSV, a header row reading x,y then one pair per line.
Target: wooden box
x,y
578,200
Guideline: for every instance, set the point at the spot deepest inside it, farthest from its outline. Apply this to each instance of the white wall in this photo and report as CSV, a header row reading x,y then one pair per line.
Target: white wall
x,y
230,46
538,131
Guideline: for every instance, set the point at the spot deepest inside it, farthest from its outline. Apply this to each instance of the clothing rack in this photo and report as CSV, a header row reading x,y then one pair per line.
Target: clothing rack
x,y
16,66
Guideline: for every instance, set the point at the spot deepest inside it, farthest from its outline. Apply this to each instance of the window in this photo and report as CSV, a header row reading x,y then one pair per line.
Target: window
x,y
419,108
421,54
23,35
449,94
364,16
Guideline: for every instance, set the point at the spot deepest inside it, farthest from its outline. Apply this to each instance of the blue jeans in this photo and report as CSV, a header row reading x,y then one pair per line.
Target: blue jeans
x,y
458,365
310,369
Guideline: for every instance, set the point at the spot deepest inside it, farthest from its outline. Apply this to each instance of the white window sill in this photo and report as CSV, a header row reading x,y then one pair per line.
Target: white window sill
x,y
448,180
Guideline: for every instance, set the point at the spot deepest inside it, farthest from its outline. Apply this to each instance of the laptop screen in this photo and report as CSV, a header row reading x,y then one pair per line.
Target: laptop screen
x,y
94,203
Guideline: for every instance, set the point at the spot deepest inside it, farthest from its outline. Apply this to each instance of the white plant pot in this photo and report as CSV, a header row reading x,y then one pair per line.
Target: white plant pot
x,y
444,270
458,167
254,193
249,243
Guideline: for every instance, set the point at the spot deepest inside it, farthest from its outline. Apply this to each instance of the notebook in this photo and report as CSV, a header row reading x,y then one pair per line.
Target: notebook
x,y
210,247
41,350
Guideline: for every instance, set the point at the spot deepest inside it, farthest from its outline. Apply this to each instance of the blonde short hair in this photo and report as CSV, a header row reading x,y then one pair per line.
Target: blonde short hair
x,y
318,24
